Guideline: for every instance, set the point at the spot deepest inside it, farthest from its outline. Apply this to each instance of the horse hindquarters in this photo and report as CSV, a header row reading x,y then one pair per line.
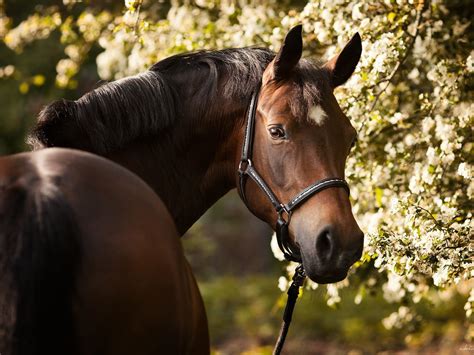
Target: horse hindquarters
x,y
135,292
90,262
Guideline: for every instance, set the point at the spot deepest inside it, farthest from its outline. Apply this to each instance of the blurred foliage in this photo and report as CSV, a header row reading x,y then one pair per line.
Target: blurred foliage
x,y
28,70
245,317
411,174
229,240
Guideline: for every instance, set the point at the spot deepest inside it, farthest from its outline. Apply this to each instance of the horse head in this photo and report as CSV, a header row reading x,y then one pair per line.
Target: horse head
x,y
300,140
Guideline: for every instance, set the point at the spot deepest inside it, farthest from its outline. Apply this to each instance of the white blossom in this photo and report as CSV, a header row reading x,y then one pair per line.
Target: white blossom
x,y
276,249
465,170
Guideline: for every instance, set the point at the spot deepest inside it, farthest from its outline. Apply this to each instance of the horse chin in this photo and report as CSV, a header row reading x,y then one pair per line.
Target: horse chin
x,y
327,279
322,275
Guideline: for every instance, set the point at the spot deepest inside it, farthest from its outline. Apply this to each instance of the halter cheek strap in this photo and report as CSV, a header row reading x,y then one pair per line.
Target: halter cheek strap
x,y
246,169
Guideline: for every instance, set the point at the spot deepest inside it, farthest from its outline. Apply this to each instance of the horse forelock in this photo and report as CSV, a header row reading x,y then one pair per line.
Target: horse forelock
x,y
313,82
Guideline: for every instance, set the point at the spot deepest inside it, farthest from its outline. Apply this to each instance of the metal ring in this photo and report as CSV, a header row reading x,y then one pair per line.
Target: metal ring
x,y
242,162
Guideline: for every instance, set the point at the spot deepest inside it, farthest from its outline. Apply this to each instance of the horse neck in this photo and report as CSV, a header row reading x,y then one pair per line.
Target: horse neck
x,y
190,167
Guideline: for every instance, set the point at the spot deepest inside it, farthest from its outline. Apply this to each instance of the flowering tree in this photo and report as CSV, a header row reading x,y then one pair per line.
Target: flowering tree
x,y
411,173
410,99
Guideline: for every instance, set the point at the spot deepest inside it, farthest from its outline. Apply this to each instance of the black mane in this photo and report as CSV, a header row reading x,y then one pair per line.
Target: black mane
x,y
122,111
242,69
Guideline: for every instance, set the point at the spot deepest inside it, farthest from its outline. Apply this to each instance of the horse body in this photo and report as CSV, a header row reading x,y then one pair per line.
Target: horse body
x,y
122,275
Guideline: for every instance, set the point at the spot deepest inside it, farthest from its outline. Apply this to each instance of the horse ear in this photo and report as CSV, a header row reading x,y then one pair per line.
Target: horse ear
x,y
289,54
343,65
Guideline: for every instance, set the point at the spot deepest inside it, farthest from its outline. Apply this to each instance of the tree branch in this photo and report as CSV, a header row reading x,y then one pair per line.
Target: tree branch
x,y
393,127
420,8
135,29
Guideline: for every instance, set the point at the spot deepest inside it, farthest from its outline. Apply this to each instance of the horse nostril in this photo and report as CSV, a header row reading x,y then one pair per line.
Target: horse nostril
x,y
324,244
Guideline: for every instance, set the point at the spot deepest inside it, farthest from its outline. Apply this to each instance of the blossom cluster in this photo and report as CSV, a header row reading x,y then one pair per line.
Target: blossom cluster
x,y
411,173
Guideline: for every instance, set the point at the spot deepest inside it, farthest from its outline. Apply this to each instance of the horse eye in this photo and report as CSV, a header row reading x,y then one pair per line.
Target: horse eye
x,y
277,132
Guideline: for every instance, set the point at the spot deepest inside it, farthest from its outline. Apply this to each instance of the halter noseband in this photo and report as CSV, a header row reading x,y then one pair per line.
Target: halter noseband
x,y
246,168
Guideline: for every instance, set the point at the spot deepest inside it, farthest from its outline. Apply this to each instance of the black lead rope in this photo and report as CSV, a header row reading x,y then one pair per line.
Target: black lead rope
x,y
291,253
293,292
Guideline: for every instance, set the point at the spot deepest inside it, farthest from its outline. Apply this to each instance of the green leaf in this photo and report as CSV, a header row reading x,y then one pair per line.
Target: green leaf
x,y
378,196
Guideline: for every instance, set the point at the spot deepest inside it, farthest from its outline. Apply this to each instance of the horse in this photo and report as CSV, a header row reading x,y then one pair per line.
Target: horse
x,y
91,262
197,125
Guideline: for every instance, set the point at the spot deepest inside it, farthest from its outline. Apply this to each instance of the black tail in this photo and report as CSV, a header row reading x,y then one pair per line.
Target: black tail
x,y
39,256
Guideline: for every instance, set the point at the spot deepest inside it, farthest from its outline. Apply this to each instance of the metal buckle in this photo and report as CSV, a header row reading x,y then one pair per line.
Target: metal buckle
x,y
280,211
299,276
247,163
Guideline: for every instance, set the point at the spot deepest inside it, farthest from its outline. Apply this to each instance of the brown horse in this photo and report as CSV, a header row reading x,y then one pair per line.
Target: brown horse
x,y
181,127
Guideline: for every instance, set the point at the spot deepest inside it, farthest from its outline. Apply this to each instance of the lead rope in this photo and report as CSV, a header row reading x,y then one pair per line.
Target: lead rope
x,y
293,292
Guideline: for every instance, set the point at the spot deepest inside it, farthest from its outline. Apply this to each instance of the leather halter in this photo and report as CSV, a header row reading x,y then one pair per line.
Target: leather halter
x,y
246,168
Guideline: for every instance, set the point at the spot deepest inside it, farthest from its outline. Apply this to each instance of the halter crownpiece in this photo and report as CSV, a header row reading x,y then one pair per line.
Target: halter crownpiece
x,y
246,168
